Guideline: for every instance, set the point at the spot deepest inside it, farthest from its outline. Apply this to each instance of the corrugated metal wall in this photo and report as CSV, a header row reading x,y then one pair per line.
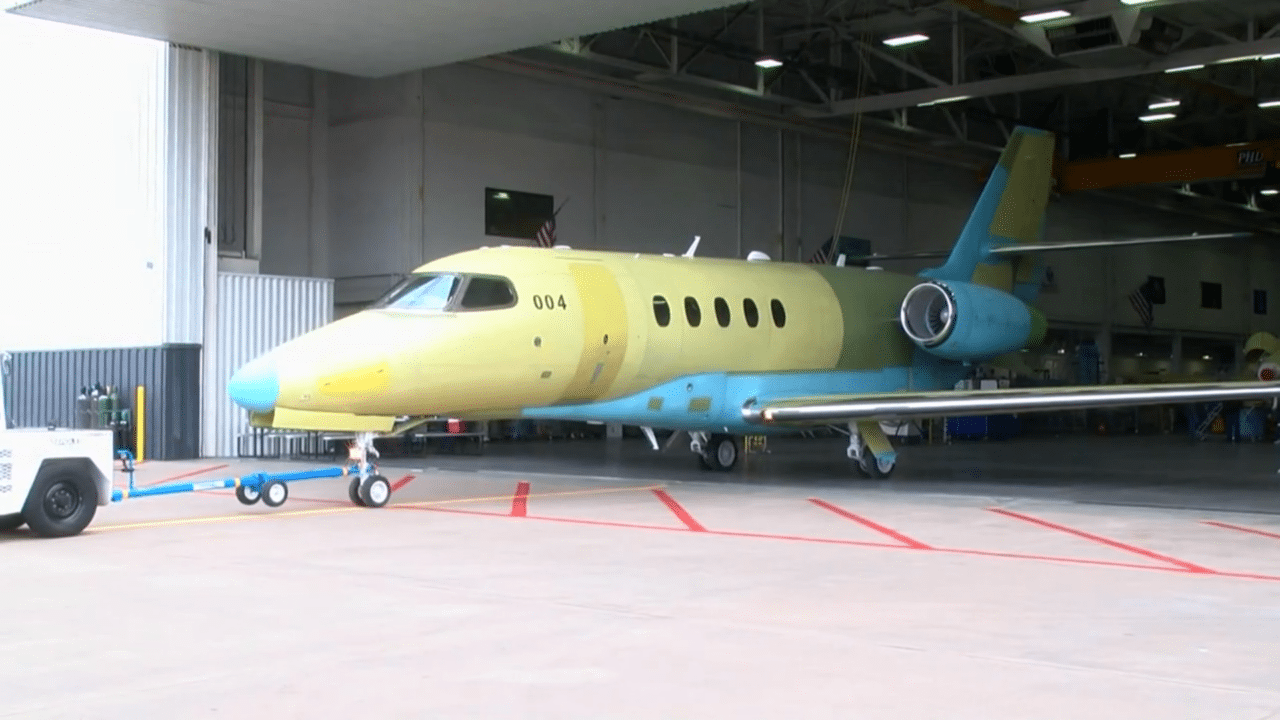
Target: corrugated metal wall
x,y
255,314
43,385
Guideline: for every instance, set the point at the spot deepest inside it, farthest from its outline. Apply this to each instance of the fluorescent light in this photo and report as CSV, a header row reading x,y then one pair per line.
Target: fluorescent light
x,y
1126,156
768,63
906,39
1158,116
1269,103
1271,191
1164,104
1184,68
943,100
1134,2
1272,56
1235,59
1046,15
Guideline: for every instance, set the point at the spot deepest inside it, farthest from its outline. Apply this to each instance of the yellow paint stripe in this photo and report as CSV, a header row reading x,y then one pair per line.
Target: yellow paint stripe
x,y
507,497
214,519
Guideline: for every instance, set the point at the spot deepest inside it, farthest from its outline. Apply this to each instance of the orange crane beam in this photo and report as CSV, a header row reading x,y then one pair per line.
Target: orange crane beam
x,y
1238,161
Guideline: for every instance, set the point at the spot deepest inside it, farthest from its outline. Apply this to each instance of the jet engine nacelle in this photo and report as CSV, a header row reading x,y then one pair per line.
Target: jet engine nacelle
x,y
963,321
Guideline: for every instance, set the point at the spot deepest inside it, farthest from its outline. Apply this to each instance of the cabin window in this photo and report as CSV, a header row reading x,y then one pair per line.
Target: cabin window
x,y
692,313
750,313
661,311
487,293
722,312
431,291
779,313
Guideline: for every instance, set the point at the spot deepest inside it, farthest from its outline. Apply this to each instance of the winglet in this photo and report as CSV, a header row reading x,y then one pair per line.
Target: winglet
x,y
694,247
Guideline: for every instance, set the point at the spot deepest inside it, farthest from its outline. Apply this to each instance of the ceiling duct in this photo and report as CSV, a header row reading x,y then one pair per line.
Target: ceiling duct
x,y
1123,37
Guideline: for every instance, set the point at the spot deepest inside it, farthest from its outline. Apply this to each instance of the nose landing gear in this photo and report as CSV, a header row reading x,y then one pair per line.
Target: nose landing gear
x,y
368,489
716,451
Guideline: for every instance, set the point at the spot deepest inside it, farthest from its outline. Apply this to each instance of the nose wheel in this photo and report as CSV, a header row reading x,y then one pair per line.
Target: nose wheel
x,y
367,490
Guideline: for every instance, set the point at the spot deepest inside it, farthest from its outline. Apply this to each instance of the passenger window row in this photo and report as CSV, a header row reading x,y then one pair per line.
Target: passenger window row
x,y
693,313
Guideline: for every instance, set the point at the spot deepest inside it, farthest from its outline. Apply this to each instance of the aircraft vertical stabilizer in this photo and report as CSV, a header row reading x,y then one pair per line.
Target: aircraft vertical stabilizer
x,y
1010,211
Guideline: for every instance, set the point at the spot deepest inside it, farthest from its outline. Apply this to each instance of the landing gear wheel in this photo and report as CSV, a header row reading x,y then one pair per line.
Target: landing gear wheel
x,y
873,468
274,493
9,523
247,495
375,491
722,453
703,463
62,503
353,492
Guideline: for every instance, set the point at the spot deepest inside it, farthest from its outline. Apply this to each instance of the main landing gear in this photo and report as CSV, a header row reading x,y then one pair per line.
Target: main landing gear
x,y
871,451
367,489
716,451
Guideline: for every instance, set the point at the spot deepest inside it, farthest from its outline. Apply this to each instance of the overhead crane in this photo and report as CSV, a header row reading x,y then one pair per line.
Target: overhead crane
x,y
1236,161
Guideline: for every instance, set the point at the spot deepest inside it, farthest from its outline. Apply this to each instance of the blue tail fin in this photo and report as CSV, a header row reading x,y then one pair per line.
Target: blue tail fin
x,y
1009,211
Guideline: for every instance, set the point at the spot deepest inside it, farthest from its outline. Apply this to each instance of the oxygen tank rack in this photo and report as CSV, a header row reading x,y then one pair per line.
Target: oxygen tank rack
x,y
271,488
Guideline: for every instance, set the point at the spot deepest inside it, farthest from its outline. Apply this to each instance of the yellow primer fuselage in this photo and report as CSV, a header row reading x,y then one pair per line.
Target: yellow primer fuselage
x,y
584,330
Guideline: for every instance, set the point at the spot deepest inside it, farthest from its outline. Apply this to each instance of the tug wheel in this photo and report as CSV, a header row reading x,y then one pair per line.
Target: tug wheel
x,y
375,491
247,495
274,493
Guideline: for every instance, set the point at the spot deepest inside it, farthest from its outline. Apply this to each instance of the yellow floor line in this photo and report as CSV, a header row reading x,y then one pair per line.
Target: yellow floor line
x,y
508,496
214,519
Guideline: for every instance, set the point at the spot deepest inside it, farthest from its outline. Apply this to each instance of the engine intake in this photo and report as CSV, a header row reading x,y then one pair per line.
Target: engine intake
x,y
963,321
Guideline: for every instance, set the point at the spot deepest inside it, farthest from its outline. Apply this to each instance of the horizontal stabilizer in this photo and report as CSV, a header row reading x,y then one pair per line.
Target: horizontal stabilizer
x,y
1022,248
908,405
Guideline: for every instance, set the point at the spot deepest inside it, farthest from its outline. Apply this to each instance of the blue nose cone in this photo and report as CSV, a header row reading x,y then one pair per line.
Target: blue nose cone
x,y
256,385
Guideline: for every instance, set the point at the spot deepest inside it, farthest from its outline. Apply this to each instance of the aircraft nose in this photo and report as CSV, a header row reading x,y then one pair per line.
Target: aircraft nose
x,y
256,385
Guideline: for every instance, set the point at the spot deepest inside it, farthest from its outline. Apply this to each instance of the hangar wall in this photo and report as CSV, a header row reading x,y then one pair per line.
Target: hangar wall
x,y
406,160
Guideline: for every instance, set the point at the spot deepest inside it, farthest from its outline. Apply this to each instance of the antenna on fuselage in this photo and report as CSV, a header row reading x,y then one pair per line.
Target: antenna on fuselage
x,y
694,247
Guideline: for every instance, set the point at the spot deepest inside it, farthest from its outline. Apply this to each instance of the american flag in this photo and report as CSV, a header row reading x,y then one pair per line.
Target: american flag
x,y
822,255
546,236
1142,304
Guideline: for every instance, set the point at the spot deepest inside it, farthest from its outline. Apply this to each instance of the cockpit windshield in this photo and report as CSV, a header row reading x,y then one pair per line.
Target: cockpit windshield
x,y
431,291
449,292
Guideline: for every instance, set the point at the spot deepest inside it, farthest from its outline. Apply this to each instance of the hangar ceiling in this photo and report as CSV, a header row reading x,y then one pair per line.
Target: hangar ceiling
x,y
369,37
1111,77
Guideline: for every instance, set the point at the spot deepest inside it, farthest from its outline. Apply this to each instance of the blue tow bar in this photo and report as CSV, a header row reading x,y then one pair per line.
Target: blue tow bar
x,y
376,495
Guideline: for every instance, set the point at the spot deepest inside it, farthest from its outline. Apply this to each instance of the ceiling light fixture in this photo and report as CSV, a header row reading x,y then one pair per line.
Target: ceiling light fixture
x,y
1269,103
1184,68
1157,116
1272,56
1135,2
1126,156
943,100
906,40
1164,104
768,62
1043,16
1271,191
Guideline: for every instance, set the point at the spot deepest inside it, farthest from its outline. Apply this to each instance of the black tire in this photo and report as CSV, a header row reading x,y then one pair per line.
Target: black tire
x,y
9,523
247,495
375,491
704,463
722,452
872,468
62,503
274,493
353,492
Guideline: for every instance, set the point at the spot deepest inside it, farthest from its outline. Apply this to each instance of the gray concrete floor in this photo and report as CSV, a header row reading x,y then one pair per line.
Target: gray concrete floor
x,y
1101,578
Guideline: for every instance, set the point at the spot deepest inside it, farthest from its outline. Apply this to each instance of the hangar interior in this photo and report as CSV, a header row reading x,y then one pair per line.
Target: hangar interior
x,y
314,153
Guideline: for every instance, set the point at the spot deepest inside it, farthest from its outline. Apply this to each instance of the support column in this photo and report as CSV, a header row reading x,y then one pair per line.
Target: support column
x,y
1175,359
318,238
209,399
1103,340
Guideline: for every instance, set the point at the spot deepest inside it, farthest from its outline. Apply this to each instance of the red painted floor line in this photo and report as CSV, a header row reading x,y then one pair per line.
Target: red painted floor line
x,y
520,501
1241,528
859,543
680,513
402,482
1191,567
183,475
909,542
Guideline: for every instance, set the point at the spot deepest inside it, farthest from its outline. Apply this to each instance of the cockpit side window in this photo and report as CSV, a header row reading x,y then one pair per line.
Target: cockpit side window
x,y
487,293
430,291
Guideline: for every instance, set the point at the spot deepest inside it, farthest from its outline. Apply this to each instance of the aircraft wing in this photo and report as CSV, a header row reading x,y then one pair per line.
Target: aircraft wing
x,y
1022,248
902,405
